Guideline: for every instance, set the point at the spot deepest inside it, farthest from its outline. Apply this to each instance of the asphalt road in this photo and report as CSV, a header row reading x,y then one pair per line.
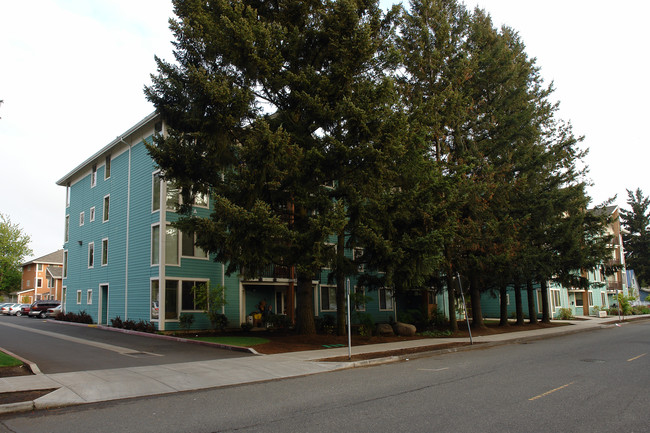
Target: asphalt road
x,y
588,382
60,347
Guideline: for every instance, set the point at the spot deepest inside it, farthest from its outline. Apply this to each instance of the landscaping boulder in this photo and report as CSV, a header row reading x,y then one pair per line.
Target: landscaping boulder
x,y
384,329
405,329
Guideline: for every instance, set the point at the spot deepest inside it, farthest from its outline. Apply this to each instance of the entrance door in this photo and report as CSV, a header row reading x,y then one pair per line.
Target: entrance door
x,y
103,305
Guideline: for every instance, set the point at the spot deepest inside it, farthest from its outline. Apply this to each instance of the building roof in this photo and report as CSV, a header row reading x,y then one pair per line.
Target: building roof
x,y
65,179
55,272
55,258
607,210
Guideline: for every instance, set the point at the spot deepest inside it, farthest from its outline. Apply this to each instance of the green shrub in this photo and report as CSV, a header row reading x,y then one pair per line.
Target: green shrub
x,y
80,317
326,324
117,322
246,326
365,323
565,314
278,321
185,321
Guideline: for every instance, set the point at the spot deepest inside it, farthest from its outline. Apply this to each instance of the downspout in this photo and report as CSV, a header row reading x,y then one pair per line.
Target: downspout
x,y
128,214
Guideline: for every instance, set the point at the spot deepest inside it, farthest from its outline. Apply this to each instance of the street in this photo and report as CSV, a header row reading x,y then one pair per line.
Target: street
x,y
50,344
587,382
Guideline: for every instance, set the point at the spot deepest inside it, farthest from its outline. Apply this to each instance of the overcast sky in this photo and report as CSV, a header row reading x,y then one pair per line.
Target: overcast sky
x,y
72,74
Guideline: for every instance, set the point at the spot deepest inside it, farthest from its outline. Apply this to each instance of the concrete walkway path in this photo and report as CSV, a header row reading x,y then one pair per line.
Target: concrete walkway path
x,y
112,384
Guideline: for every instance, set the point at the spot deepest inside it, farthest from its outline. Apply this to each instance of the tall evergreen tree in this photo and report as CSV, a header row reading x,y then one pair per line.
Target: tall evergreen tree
x,y
282,110
636,237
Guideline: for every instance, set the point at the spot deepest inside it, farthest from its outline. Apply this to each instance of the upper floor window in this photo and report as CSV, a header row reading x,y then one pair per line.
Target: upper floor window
x,y
107,202
328,298
386,299
155,245
67,195
107,169
171,246
82,218
155,200
91,254
93,176
66,235
189,248
173,196
39,267
39,283
65,264
92,214
104,252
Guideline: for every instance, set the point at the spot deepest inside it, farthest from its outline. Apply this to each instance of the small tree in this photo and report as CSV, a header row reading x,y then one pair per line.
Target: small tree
x,y
14,246
211,300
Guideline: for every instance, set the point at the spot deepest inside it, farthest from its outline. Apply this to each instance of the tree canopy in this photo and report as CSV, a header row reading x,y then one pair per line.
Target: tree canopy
x,y
424,138
636,237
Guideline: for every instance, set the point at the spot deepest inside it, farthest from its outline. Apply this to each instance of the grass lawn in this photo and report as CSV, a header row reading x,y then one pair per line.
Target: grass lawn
x,y
8,361
233,341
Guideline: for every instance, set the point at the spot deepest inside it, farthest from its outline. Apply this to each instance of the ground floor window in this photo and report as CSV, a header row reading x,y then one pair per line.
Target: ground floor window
x,y
171,300
591,299
328,298
89,297
155,293
555,298
359,300
386,299
603,299
78,296
579,302
193,295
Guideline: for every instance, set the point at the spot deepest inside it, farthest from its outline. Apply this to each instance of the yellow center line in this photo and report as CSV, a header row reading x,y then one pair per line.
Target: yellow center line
x,y
550,392
636,357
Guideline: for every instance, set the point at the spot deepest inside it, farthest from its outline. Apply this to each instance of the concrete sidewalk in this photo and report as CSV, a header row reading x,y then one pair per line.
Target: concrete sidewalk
x,y
113,384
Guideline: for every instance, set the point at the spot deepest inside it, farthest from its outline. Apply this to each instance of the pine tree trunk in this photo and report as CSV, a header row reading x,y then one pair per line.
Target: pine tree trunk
x,y
532,314
518,301
546,317
475,293
305,309
341,310
451,297
503,305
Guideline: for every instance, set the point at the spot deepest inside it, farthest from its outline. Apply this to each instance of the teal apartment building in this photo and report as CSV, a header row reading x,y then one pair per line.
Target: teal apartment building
x,y
122,258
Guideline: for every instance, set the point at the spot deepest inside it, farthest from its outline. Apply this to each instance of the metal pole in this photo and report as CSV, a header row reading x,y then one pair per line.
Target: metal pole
x,y
460,285
347,284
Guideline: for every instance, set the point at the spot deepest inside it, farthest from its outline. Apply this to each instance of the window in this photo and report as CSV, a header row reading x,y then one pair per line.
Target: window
x,y
29,283
39,267
155,245
93,176
155,292
50,282
78,297
201,200
189,299
89,297
603,299
171,246
591,299
66,235
155,200
189,248
579,302
386,299
91,254
92,214
556,298
107,203
104,252
328,298
67,196
171,299
173,197
107,168
39,283
65,264
82,217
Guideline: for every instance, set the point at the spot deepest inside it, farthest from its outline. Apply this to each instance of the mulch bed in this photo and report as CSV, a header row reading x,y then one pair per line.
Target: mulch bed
x,y
22,396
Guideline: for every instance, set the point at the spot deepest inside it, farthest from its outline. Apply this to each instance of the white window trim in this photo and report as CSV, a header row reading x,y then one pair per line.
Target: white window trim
x,y
392,300
89,297
67,196
194,247
92,214
105,217
163,259
180,293
104,259
151,245
362,290
82,218
39,283
93,176
91,246
66,230
153,187
65,265
322,307
108,161
78,297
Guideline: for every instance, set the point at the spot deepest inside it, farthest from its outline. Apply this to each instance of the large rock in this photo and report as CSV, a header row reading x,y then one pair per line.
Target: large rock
x,y
405,329
384,329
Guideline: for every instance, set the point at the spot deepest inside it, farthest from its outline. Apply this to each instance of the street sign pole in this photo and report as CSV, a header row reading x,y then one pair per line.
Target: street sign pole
x,y
347,290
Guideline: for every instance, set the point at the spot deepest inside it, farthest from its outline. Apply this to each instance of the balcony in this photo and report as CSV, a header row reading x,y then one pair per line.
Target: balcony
x,y
273,272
